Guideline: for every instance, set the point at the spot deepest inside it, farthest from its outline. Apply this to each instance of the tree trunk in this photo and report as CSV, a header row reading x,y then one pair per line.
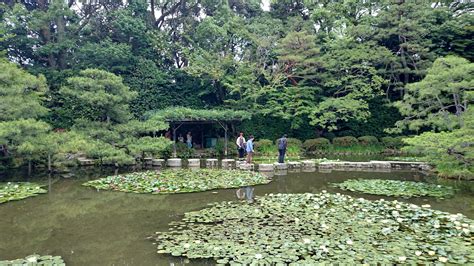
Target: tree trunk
x,y
49,163
29,167
61,29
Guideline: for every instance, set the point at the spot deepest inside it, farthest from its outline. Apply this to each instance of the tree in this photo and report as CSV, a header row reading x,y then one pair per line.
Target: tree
x,y
440,99
452,152
102,92
21,93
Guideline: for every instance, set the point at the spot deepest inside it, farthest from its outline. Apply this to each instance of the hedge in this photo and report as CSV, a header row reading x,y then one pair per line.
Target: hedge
x,y
263,143
312,145
345,141
292,142
392,142
368,140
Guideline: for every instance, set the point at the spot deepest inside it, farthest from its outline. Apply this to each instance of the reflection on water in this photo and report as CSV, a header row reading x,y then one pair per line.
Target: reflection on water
x,y
245,193
90,227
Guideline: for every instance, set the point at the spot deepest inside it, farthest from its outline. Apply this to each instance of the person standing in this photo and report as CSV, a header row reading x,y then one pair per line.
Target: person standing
x,y
189,140
282,144
241,145
181,138
249,148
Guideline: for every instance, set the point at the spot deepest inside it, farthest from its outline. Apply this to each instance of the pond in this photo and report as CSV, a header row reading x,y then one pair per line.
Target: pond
x,y
87,227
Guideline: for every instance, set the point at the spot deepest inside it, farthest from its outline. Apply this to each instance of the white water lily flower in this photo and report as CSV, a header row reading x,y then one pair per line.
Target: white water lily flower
x,y
399,220
349,242
382,200
436,226
466,231
443,259
385,221
306,240
324,191
431,252
418,253
186,245
458,227
465,225
457,223
324,248
402,258
197,241
413,206
426,206
316,206
258,256
217,248
16,186
395,213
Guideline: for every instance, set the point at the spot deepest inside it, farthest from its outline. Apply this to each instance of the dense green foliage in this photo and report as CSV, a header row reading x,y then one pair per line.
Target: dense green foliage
x,y
396,188
443,102
306,68
178,181
308,229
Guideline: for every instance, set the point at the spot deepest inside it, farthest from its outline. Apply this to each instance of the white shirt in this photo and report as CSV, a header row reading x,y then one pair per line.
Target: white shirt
x,y
238,142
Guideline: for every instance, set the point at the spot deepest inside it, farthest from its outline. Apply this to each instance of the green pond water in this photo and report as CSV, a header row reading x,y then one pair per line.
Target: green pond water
x,y
89,227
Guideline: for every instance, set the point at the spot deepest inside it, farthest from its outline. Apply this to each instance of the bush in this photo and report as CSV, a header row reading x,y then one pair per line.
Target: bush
x,y
312,145
263,143
368,140
392,143
347,141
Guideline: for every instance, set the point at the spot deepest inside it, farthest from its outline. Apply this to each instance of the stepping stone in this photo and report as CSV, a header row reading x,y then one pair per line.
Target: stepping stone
x,y
228,163
309,169
266,167
212,163
174,162
158,162
294,170
308,164
293,165
247,166
281,166
381,164
148,161
281,172
194,163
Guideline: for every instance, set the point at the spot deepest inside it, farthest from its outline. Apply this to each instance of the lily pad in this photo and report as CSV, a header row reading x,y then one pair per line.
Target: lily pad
x,y
19,190
178,181
35,259
396,188
288,229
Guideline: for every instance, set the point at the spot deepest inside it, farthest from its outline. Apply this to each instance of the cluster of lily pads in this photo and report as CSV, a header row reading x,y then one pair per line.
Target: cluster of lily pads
x,y
178,181
19,190
396,188
304,229
35,259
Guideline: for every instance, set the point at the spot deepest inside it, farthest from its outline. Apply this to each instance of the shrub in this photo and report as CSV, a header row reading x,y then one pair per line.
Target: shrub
x,y
312,145
368,140
263,143
392,143
345,141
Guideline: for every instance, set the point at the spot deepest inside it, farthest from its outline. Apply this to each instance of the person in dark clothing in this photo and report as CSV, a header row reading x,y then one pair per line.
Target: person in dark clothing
x,y
282,144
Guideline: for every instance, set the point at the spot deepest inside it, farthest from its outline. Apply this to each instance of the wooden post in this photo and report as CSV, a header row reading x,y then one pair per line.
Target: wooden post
x,y
49,162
